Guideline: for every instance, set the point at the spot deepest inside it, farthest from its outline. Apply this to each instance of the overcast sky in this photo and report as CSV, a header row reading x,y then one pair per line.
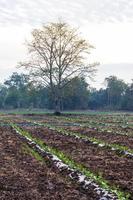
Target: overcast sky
x,y
107,24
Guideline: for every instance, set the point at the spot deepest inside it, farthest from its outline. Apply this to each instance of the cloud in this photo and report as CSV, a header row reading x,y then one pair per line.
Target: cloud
x,y
113,41
35,12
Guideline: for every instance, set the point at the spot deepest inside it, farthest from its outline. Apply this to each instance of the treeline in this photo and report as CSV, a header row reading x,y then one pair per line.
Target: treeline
x,y
116,96
20,92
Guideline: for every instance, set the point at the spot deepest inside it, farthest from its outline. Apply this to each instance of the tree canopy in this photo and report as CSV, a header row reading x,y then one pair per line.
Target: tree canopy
x,y
77,94
57,54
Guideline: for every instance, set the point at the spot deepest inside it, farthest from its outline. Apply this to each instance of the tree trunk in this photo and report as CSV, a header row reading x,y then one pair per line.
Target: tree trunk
x,y
57,106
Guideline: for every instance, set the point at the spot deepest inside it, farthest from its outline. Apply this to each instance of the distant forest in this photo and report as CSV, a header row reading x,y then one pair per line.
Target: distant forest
x,y
18,91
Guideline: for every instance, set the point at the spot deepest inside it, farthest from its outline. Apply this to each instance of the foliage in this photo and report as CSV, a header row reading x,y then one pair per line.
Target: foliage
x,y
19,91
57,54
72,98
115,90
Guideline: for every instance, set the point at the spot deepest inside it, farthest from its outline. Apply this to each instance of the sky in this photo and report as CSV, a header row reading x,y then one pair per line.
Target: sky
x,y
107,24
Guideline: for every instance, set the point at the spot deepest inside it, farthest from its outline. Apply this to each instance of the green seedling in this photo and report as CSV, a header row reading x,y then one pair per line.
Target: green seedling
x,y
72,164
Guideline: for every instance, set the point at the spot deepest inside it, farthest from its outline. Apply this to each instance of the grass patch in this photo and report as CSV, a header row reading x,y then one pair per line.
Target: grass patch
x,y
27,150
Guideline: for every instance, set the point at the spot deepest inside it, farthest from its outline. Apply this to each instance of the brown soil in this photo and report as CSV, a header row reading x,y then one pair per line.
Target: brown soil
x,y
107,137
23,177
117,170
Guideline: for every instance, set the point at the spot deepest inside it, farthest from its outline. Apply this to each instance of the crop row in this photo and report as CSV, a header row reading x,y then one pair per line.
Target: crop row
x,y
84,174
121,128
27,174
124,150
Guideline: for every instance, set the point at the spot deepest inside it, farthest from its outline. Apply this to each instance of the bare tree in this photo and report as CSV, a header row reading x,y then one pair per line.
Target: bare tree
x,y
58,54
